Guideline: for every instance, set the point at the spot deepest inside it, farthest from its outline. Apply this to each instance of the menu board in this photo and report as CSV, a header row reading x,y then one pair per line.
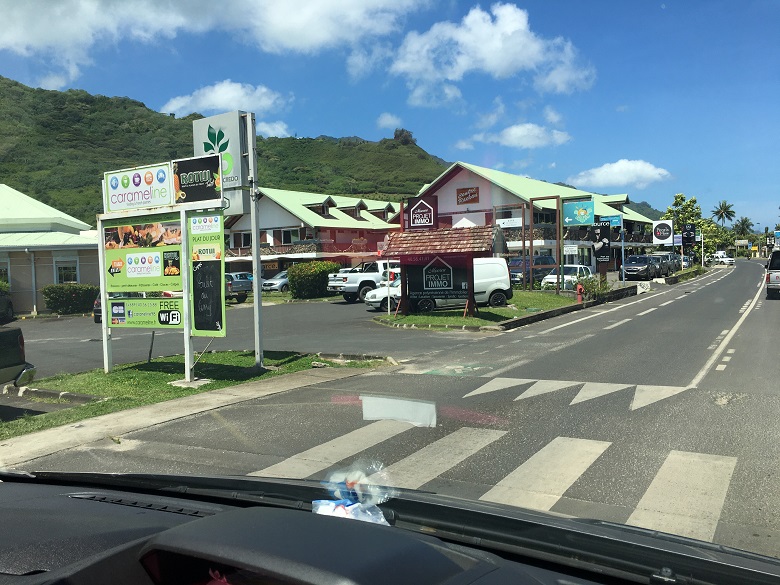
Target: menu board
x,y
207,265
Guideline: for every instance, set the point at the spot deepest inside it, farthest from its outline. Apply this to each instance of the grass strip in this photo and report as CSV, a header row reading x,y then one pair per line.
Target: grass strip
x,y
131,385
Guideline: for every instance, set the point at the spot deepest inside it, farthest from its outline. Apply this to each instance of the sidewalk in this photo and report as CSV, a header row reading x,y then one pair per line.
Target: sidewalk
x,y
26,448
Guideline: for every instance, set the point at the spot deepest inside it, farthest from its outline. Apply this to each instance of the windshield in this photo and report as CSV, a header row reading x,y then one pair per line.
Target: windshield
x,y
151,149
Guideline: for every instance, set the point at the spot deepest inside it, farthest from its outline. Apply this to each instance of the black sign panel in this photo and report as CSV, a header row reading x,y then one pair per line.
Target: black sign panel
x,y
197,179
689,234
207,295
599,235
421,213
440,278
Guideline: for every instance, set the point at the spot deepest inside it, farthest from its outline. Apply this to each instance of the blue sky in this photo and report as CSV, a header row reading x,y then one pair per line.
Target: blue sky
x,y
649,98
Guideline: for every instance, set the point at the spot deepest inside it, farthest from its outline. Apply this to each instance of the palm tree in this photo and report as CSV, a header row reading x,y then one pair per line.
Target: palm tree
x,y
723,212
743,226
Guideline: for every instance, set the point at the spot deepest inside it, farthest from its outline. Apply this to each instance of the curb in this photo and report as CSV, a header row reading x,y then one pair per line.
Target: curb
x,y
352,357
431,326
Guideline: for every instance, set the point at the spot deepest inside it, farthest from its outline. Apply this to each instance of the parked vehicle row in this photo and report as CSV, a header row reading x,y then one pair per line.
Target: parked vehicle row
x,y
357,282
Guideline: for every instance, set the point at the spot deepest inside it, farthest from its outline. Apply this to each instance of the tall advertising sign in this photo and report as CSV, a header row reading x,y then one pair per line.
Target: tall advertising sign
x,y
577,213
207,266
143,253
663,232
226,134
601,241
689,234
138,188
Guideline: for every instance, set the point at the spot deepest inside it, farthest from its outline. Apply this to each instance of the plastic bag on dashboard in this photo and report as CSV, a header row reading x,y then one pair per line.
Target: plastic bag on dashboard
x,y
357,490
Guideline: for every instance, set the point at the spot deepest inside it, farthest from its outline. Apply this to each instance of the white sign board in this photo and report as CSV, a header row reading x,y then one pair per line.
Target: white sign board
x,y
663,232
224,134
570,250
510,222
138,188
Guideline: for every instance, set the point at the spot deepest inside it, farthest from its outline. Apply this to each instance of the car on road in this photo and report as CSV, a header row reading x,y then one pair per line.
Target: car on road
x,y
278,283
640,266
772,278
571,274
727,261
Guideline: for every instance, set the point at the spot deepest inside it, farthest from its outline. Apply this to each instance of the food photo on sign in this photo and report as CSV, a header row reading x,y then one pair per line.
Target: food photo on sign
x,y
148,235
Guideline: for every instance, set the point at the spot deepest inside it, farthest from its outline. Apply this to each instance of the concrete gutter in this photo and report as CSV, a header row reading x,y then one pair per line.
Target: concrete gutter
x,y
26,448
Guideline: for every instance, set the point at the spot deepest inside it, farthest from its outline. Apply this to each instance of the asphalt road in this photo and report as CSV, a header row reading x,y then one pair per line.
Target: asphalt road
x,y
659,411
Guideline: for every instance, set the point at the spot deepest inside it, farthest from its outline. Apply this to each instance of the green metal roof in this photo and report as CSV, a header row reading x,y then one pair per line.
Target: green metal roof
x,y
21,213
19,241
296,203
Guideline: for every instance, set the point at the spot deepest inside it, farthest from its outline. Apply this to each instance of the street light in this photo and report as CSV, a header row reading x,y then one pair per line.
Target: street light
x,y
758,241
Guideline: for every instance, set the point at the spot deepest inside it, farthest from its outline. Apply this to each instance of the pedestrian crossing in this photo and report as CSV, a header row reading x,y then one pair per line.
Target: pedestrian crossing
x,y
685,494
644,395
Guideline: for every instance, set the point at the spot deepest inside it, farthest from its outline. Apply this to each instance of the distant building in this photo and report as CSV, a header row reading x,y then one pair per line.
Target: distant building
x,y
40,245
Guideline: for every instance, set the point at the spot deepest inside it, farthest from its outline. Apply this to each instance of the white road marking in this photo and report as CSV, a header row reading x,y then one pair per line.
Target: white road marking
x,y
645,395
720,367
541,481
646,312
432,460
593,390
323,456
730,350
666,303
545,387
680,297
686,496
618,324
497,384
726,359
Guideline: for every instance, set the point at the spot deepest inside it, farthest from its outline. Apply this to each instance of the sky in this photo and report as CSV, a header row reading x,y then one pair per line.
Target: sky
x,y
644,97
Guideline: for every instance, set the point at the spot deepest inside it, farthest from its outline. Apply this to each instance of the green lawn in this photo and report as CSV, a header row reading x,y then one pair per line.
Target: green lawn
x,y
521,303
132,385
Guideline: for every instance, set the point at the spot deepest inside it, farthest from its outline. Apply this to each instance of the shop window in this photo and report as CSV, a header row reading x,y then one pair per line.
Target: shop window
x,y
290,236
66,271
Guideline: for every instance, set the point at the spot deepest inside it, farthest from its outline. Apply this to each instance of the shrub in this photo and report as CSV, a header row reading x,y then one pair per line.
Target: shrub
x,y
594,287
66,299
5,288
309,280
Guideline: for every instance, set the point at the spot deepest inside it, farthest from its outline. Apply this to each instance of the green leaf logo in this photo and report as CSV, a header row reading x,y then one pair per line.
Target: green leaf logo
x,y
215,143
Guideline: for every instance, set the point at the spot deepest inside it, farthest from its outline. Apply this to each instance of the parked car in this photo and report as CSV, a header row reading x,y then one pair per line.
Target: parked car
x,y
728,261
243,275
278,283
773,275
571,274
237,289
540,268
640,266
358,281
686,262
14,367
377,298
666,261
98,304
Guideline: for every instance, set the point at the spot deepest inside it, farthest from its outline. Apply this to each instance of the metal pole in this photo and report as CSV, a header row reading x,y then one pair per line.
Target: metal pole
x,y
623,252
187,298
105,331
251,139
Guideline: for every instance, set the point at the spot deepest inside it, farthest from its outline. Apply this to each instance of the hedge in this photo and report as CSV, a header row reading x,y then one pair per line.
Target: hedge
x,y
309,280
5,288
66,299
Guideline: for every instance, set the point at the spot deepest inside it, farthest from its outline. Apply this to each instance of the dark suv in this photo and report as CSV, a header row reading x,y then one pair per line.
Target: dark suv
x,y
542,265
640,266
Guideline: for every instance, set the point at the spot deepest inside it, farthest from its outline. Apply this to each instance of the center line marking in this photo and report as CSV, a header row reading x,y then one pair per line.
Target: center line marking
x,y
666,303
617,324
646,312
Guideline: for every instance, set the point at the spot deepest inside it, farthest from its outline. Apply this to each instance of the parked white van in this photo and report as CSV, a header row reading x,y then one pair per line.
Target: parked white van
x,y
491,287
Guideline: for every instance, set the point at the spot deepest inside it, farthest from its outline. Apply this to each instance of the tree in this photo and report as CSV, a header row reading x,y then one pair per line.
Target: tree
x,y
683,211
743,226
723,212
404,136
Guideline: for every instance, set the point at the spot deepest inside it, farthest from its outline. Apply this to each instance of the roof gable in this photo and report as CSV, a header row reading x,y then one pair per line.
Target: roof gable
x,y
22,213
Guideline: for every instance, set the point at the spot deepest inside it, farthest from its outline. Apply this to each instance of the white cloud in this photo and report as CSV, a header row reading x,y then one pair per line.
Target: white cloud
x,y
361,62
464,145
278,129
637,173
225,96
552,165
525,136
388,120
65,32
492,118
500,44
552,116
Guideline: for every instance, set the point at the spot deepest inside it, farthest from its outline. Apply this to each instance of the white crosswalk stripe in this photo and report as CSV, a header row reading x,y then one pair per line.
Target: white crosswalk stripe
x,y
542,480
685,495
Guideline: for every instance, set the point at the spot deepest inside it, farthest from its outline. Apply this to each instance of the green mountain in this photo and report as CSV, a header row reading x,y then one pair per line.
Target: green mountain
x,y
57,145
646,209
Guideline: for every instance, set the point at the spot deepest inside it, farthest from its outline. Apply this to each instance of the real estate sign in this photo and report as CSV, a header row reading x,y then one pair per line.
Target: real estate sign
x,y
143,253
438,277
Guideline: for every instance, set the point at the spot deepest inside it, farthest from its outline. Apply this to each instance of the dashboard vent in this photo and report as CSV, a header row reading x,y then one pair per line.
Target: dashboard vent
x,y
136,503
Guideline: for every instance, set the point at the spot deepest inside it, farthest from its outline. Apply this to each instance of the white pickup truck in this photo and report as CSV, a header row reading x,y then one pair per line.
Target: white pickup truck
x,y
355,283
